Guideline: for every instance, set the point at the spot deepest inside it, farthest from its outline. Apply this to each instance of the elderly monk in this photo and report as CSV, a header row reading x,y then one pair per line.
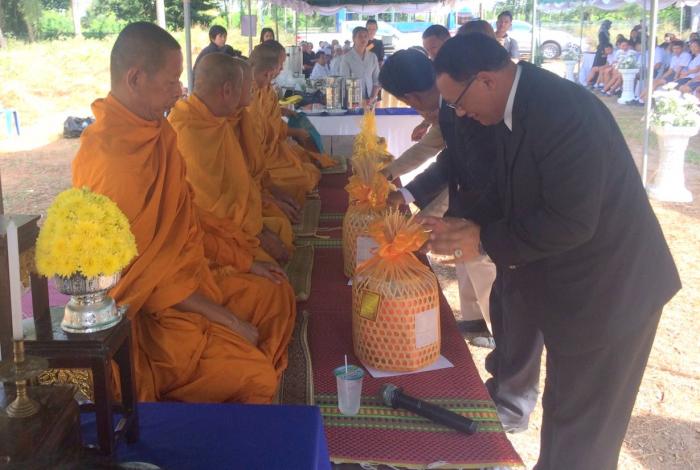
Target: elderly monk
x,y
199,336
284,166
212,132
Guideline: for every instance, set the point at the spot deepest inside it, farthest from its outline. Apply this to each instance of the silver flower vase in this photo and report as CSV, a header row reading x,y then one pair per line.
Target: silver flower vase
x,y
89,309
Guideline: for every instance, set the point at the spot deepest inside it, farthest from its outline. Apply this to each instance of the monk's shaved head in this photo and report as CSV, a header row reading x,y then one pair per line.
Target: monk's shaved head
x,y
140,45
213,70
266,56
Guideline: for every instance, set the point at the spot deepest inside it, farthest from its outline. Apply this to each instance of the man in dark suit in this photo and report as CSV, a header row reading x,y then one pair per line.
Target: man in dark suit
x,y
578,241
466,168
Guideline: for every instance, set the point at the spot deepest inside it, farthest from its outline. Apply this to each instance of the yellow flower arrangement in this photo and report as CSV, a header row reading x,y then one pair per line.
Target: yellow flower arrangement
x,y
84,233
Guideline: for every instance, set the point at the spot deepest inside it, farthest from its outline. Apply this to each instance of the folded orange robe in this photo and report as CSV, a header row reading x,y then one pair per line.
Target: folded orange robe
x,y
285,168
179,355
218,173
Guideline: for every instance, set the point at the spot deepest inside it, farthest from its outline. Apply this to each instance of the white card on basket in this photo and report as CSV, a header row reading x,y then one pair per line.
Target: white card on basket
x,y
441,363
426,328
365,248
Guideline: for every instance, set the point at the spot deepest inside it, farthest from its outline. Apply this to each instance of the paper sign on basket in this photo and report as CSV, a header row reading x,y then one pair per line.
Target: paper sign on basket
x,y
426,328
365,247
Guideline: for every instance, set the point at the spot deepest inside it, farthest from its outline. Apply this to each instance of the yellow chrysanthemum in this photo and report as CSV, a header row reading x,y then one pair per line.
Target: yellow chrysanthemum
x,y
85,233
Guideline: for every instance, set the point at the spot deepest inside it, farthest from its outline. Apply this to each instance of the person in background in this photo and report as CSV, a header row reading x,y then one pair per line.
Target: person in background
x,y
604,57
308,58
679,62
359,63
375,45
669,38
336,60
434,37
693,69
503,25
266,34
661,59
347,45
321,67
335,43
614,81
635,36
603,41
217,43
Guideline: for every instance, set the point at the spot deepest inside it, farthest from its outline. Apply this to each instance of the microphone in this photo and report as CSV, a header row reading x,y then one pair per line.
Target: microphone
x,y
394,397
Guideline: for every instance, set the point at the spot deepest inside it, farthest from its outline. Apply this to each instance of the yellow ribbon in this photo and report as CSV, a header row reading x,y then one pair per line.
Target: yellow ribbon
x,y
372,196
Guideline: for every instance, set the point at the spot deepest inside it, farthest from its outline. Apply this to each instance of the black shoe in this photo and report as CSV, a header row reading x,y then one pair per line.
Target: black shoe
x,y
473,326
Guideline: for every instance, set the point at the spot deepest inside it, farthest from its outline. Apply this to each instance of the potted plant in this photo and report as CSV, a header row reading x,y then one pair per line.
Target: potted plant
x,y
570,56
628,68
84,244
675,119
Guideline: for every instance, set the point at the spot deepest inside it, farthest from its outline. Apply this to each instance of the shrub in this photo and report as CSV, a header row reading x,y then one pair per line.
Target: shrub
x,y
54,25
102,25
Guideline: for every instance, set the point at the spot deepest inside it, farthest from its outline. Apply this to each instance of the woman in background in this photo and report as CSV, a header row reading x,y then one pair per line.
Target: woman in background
x,y
266,34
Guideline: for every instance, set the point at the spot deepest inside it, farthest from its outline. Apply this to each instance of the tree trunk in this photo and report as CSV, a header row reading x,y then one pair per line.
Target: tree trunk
x,y
160,13
77,30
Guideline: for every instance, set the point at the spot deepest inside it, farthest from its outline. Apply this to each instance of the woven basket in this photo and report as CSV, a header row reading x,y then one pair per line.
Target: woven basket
x,y
355,224
396,325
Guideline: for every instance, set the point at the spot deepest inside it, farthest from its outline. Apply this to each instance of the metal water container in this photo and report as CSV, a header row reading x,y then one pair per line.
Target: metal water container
x,y
293,63
353,93
334,92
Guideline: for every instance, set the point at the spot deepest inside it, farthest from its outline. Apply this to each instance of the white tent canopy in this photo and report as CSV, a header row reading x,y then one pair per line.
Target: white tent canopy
x,y
369,9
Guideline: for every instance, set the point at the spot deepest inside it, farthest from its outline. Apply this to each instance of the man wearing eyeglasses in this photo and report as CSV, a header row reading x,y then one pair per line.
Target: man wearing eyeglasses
x,y
578,241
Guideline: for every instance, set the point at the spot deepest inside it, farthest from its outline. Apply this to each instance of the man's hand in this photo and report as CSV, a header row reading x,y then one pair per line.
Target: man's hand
x,y
288,113
452,236
269,271
395,199
420,130
245,329
200,304
298,134
273,246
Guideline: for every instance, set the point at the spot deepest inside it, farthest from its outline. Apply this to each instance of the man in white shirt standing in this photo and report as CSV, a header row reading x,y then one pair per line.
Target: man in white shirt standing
x,y
358,63
503,25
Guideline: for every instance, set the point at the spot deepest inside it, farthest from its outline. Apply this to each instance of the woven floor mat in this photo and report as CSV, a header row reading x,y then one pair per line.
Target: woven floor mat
x,y
299,271
332,216
296,386
340,168
309,219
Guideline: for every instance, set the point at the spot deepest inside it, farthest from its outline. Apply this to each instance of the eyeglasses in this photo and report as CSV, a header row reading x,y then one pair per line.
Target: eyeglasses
x,y
459,98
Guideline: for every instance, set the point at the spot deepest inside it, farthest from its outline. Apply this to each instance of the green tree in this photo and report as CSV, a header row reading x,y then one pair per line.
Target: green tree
x,y
145,10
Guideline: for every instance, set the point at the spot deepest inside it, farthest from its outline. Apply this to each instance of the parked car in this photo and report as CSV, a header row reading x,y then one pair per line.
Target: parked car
x,y
552,42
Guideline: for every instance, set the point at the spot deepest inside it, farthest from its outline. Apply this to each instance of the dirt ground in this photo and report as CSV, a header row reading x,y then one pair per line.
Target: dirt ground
x,y
664,432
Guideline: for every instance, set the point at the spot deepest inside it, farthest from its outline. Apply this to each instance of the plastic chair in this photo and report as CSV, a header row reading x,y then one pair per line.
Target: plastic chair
x,y
11,116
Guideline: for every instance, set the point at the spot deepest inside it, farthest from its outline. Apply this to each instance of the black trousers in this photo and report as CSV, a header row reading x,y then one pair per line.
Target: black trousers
x,y
515,363
588,400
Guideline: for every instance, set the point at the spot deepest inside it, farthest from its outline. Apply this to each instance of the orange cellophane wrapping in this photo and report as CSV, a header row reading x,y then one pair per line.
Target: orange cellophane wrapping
x,y
368,192
395,307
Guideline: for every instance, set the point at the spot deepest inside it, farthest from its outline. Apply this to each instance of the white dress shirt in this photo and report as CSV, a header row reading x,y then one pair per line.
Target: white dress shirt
x,y
366,68
508,113
320,71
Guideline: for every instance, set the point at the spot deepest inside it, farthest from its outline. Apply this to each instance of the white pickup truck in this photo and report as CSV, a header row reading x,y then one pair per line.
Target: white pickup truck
x,y
392,38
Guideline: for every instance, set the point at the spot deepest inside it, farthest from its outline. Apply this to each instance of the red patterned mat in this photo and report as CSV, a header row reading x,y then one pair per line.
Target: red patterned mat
x,y
379,434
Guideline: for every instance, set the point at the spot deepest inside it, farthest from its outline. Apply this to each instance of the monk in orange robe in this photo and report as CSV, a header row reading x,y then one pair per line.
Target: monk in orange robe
x,y
284,167
213,129
198,336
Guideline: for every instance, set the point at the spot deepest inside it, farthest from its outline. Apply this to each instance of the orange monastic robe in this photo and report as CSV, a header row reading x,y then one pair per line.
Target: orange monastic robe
x,y
218,173
286,170
179,355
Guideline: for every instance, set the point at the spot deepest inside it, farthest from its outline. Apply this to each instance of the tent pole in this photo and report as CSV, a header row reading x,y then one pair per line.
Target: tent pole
x,y
580,43
250,29
188,43
275,11
534,25
680,26
650,85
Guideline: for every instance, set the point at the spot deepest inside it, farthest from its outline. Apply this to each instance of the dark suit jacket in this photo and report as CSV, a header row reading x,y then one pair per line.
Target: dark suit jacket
x,y
578,238
465,167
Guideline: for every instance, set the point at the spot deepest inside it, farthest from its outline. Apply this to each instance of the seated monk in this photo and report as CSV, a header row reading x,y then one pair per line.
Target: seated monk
x,y
212,131
198,336
284,167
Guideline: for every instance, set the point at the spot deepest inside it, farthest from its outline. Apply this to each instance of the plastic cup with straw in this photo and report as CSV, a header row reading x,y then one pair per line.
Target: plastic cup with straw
x,y
349,382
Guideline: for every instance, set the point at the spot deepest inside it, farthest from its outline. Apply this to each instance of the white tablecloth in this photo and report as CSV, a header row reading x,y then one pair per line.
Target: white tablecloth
x,y
396,129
